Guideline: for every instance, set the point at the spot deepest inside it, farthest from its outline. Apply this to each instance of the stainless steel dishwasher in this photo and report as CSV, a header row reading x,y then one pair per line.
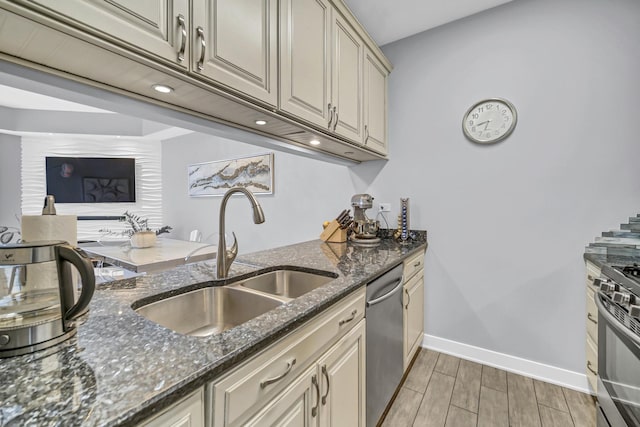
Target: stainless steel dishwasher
x,y
384,341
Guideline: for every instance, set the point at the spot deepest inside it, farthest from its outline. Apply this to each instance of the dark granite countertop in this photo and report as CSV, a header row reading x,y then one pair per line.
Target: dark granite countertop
x,y
121,368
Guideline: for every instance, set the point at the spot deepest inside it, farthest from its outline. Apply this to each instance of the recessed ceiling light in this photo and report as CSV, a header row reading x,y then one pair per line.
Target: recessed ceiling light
x,y
162,88
314,142
261,122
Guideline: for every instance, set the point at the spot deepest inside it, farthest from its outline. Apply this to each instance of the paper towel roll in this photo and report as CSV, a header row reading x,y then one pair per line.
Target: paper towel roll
x,y
50,227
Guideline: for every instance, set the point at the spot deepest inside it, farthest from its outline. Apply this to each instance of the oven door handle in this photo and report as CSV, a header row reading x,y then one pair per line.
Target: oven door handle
x,y
615,323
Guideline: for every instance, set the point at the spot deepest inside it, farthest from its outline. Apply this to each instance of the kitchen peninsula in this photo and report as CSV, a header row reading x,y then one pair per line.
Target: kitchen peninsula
x,y
122,369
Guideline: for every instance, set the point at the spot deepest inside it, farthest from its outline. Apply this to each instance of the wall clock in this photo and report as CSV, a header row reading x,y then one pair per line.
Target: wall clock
x,y
490,120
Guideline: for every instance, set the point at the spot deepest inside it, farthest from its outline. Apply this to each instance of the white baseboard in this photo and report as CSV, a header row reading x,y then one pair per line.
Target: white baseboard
x,y
551,374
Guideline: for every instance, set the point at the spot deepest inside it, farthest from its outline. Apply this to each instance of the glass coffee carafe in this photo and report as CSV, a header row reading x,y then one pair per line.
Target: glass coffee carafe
x,y
38,304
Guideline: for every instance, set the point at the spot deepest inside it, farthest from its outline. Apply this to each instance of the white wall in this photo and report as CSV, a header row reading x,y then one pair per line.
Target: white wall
x,y
307,192
508,223
9,180
148,179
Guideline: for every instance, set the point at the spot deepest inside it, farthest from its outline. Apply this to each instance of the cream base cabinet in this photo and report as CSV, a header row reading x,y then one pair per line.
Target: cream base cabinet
x,y
158,27
276,387
305,72
187,413
413,306
235,44
375,104
591,345
413,316
294,406
329,393
342,381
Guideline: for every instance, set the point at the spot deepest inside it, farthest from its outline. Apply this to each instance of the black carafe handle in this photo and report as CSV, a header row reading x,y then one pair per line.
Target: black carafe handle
x,y
85,268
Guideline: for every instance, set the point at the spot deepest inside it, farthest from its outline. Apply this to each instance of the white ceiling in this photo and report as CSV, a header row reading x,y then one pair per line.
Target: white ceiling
x,y
388,21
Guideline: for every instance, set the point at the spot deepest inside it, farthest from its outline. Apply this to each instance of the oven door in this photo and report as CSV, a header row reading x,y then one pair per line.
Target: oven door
x,y
618,364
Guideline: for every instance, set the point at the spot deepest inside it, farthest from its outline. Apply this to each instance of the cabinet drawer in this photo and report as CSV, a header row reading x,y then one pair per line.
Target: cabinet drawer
x,y
262,377
592,364
593,272
413,265
592,316
187,413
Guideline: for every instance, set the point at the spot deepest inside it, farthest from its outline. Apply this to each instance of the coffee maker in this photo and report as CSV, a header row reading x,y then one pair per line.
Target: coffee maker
x,y
37,302
365,230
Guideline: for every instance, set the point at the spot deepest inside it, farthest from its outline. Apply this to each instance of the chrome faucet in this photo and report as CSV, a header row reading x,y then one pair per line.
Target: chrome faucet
x,y
224,257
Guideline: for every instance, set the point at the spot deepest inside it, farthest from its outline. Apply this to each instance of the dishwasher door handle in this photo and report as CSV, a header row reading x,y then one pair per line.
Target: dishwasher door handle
x,y
387,295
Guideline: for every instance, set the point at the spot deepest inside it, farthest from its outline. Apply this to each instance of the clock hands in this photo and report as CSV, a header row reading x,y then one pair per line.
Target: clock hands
x,y
485,123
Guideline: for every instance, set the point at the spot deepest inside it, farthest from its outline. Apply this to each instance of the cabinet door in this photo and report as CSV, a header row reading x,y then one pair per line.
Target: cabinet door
x,y
188,413
294,406
413,316
342,381
305,78
375,104
235,44
150,25
346,79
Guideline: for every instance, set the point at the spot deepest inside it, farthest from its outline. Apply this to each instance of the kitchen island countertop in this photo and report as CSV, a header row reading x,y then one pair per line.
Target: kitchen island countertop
x,y
121,368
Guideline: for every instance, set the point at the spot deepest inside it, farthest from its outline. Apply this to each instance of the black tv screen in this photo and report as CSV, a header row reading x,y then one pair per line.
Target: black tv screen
x,y
91,179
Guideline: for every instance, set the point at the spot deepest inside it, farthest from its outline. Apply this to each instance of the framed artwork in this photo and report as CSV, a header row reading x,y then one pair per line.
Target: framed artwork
x,y
254,173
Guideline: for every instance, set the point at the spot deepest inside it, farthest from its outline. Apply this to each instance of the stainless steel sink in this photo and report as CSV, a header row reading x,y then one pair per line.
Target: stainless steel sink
x,y
286,283
208,311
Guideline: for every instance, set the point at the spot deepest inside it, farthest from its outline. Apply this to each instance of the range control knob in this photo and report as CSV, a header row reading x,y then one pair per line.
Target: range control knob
x,y
634,311
623,298
4,339
608,287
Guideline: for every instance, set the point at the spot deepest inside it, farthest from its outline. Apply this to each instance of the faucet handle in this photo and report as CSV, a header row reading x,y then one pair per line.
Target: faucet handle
x,y
233,252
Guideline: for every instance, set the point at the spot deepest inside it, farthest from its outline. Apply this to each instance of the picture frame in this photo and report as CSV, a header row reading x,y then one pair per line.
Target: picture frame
x,y
215,178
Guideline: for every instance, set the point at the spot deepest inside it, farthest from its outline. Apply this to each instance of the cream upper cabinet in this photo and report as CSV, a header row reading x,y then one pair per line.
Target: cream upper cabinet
x,y
305,73
375,103
342,381
158,27
346,79
235,44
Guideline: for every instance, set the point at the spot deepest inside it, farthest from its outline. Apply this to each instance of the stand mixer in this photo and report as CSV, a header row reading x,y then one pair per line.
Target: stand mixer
x,y
365,230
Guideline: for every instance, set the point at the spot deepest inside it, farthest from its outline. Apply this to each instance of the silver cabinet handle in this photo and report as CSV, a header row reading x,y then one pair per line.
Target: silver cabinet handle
x,y
590,368
183,33
417,264
590,277
326,375
366,134
408,296
348,319
314,410
387,295
335,112
203,48
265,383
330,112
591,318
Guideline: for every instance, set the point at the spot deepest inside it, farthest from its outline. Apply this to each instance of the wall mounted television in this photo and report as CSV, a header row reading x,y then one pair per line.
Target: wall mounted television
x,y
91,179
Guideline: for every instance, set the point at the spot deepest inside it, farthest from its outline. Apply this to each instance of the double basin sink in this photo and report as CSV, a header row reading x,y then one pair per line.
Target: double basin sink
x,y
213,310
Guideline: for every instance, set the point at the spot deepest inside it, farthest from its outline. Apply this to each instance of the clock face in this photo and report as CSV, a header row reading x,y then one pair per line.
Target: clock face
x,y
489,121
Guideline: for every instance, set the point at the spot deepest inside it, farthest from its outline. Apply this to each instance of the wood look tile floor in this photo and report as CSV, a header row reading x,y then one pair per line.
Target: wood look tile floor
x,y
443,390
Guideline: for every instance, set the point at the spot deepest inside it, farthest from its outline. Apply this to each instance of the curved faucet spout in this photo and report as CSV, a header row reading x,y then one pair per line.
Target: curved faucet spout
x,y
224,257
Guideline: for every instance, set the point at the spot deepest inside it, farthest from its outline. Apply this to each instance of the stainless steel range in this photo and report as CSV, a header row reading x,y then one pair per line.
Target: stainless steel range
x,y
618,302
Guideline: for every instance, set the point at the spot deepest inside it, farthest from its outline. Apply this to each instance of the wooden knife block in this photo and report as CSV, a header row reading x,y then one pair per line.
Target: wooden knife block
x,y
333,233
